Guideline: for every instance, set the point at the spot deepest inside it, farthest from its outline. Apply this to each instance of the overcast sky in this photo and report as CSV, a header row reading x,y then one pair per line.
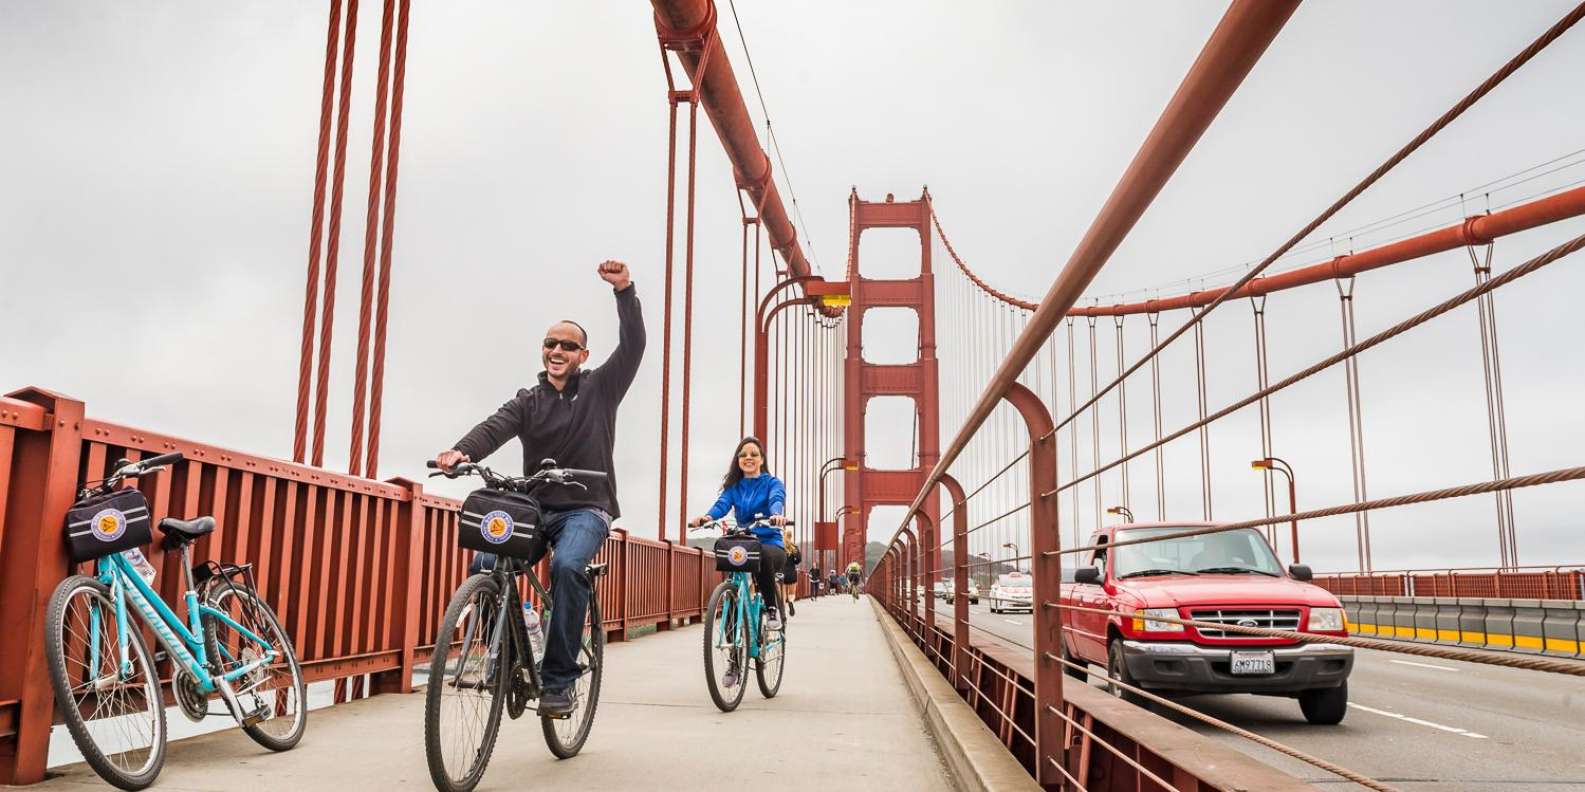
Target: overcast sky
x,y
157,163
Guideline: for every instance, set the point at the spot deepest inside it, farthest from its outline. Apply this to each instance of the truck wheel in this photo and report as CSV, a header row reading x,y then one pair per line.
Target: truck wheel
x,y
1118,670
1325,706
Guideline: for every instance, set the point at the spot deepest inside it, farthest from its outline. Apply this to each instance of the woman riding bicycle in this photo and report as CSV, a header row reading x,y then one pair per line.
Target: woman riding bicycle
x,y
789,577
751,493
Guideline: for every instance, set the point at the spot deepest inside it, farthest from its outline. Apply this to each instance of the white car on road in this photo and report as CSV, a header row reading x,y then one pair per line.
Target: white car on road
x,y
1012,591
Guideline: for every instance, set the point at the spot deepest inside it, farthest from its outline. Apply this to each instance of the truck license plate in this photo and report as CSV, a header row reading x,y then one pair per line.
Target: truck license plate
x,y
1254,663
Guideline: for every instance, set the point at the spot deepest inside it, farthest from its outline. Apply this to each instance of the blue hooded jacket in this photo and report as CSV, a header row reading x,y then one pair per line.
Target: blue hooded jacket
x,y
764,495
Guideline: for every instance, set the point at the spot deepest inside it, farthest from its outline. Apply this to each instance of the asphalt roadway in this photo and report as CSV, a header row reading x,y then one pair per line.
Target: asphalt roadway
x,y
1413,723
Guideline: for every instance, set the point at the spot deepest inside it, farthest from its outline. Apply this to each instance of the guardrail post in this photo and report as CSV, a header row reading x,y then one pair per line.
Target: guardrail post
x,y
671,563
624,583
960,584
33,561
405,566
1045,541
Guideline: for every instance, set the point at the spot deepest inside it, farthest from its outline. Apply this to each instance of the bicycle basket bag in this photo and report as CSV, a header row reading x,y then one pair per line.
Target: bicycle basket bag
x,y
503,523
737,554
108,523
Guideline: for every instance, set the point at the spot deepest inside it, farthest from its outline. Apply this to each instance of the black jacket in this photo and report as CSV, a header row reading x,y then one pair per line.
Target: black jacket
x,y
575,426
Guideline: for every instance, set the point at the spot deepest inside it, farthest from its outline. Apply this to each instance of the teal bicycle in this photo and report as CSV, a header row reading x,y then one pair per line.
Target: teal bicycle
x,y
735,635
107,685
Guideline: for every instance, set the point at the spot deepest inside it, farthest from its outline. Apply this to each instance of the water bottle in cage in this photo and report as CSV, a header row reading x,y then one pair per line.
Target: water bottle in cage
x,y
140,563
536,635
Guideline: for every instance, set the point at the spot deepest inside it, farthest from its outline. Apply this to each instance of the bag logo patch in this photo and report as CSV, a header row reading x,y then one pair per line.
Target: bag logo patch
x,y
108,525
737,555
496,527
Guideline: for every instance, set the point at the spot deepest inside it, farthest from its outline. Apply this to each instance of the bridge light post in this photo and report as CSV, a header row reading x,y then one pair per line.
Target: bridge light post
x,y
1273,463
1121,511
1013,546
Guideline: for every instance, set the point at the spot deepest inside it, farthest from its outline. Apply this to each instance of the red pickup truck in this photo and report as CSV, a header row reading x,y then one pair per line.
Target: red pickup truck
x,y
1231,577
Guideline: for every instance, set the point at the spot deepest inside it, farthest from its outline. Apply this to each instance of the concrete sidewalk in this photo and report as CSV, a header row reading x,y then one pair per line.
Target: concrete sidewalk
x,y
843,721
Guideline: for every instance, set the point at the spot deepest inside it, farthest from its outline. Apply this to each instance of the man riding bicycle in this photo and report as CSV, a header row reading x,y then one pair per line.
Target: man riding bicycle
x,y
570,416
855,571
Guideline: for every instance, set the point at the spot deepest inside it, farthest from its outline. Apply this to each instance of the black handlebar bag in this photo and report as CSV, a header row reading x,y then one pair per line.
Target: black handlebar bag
x,y
108,523
737,554
504,523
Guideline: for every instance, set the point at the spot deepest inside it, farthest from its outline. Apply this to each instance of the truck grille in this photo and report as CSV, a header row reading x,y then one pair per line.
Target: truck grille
x,y
1273,619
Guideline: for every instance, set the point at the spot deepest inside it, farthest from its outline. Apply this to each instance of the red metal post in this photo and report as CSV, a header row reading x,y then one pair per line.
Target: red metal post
x,y
406,568
1046,566
33,561
960,580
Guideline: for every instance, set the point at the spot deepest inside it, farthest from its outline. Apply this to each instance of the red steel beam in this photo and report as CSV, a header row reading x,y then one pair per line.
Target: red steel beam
x,y
723,103
1246,30
1472,231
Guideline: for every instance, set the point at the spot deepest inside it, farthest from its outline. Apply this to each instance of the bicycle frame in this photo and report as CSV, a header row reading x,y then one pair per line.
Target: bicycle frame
x,y
749,604
512,606
183,644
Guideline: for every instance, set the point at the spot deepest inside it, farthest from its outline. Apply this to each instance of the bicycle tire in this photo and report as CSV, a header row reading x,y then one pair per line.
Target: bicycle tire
x,y
769,673
506,666
724,595
261,621
584,714
68,706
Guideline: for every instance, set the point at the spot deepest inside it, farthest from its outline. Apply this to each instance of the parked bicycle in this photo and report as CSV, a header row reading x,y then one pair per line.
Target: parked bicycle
x,y
484,661
735,632
107,687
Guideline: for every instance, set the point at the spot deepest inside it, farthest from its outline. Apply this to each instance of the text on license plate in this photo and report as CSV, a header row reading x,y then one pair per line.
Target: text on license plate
x,y
1252,663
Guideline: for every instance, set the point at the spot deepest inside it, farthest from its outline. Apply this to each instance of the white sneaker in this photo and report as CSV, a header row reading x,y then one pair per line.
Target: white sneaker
x,y
772,619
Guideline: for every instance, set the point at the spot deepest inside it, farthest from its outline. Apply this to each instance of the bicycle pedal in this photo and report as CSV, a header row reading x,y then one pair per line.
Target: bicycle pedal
x,y
257,716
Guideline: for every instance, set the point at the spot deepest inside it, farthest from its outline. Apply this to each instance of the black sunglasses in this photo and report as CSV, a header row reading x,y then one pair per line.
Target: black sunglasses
x,y
566,345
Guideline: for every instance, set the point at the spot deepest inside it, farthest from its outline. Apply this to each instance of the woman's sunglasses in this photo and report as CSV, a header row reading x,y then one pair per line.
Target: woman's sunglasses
x,y
566,345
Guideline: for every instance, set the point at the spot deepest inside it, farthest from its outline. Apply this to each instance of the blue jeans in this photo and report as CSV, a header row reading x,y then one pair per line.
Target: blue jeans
x,y
576,536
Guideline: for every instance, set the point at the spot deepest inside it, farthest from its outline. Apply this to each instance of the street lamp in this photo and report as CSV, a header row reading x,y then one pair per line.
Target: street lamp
x,y
1013,546
828,466
1272,463
1121,511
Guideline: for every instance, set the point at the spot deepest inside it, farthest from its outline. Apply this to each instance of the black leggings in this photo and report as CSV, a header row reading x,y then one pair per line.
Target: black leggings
x,y
772,560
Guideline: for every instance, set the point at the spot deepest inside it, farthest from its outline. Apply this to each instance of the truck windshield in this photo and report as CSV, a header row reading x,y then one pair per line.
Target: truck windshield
x,y
1232,552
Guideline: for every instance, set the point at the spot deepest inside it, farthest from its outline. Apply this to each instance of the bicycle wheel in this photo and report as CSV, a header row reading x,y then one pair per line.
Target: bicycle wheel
x,y
772,658
114,713
725,650
468,681
565,736
275,691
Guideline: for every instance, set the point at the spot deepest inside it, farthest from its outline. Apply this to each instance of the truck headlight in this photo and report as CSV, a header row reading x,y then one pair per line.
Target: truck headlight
x,y
1327,619
1143,621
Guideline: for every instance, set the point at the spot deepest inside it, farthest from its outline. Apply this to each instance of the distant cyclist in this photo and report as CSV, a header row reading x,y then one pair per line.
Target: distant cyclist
x,y
569,416
751,493
855,571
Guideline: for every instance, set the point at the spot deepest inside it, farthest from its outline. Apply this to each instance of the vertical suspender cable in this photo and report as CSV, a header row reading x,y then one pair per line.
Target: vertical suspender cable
x,y
371,235
1356,436
387,231
333,241
1155,392
1073,428
665,344
1496,415
315,236
1205,436
1095,427
742,337
1122,410
1262,376
687,323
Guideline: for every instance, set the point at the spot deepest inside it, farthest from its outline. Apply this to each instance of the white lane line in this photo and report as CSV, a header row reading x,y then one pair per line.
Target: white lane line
x,y
1012,621
1419,722
1423,665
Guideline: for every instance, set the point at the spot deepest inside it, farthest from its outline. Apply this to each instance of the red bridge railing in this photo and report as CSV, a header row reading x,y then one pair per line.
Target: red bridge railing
x,y
1565,582
358,570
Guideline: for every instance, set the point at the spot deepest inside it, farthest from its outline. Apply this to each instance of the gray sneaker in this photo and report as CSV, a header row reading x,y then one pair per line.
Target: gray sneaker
x,y
555,703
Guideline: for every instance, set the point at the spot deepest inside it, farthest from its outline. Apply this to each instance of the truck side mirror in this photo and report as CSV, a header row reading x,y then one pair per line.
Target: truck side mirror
x,y
1090,575
1301,572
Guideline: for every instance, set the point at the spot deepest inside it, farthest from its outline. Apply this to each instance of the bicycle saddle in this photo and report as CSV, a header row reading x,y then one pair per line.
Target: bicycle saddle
x,y
180,532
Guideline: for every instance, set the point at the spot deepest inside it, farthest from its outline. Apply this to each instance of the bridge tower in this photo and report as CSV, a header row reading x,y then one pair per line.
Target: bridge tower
x,y
867,487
